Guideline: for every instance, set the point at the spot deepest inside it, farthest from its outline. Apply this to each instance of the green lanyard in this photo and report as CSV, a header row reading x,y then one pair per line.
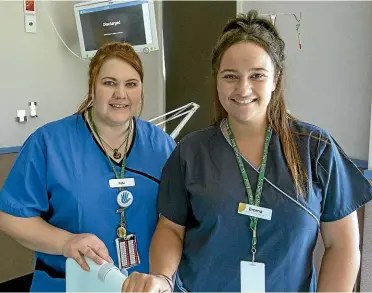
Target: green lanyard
x,y
108,157
257,199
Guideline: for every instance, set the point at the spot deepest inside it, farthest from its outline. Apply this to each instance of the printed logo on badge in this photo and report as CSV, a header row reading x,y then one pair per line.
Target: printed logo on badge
x,y
125,198
254,211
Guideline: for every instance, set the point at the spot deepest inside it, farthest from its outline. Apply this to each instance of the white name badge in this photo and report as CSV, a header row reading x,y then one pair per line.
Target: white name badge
x,y
255,211
125,182
252,276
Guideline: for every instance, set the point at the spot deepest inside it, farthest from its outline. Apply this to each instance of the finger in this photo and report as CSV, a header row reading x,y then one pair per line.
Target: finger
x,y
87,251
81,261
103,253
132,282
151,286
100,248
125,285
141,283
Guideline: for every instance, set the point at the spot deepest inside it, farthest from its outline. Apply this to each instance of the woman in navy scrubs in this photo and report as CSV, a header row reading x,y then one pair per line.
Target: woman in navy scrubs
x,y
242,201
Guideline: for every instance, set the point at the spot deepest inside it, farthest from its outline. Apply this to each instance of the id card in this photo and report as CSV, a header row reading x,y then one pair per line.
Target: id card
x,y
254,211
252,276
125,182
127,251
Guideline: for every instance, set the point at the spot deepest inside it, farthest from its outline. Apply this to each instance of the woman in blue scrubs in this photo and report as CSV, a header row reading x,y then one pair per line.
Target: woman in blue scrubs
x,y
85,184
242,201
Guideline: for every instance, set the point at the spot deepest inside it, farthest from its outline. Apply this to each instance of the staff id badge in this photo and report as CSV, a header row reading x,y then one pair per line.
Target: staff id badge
x,y
127,251
124,182
252,276
254,211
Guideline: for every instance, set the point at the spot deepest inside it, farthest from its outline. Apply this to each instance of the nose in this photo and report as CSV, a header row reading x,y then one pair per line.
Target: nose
x,y
121,92
244,87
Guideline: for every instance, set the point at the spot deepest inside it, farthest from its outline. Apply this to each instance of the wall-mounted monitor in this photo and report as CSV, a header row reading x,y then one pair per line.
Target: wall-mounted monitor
x,y
99,22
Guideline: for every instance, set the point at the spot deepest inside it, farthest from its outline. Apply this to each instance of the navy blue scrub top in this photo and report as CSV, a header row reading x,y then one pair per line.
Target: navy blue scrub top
x,y
201,188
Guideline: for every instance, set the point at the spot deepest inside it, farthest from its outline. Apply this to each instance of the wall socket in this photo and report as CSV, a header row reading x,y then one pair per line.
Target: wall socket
x,y
30,23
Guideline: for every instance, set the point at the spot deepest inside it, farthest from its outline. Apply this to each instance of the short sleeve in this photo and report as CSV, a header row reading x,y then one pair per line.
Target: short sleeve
x,y
173,200
24,193
345,189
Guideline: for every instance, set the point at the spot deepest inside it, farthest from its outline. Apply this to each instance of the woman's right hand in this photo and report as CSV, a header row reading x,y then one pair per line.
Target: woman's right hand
x,y
89,245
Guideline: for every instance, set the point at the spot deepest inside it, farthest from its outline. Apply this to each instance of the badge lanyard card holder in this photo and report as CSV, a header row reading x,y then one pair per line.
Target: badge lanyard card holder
x,y
252,273
126,244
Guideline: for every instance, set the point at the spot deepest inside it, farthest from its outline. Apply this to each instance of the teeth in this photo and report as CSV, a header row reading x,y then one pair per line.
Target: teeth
x,y
118,105
244,101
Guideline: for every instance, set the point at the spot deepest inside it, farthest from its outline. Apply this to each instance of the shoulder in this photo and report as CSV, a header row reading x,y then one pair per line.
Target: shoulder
x,y
54,130
323,148
150,128
199,137
306,129
63,124
314,136
148,133
198,143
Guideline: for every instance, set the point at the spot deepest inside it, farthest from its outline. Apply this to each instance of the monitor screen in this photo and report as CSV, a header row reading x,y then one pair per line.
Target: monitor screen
x,y
118,21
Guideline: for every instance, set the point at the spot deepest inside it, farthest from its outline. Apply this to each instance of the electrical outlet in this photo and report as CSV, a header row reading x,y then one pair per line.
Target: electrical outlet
x,y
30,23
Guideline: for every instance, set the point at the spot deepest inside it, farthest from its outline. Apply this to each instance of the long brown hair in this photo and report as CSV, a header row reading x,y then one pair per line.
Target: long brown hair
x,y
123,51
251,28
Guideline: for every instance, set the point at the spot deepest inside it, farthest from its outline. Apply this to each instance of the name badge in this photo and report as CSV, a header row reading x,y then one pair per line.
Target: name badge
x,y
125,182
254,211
252,276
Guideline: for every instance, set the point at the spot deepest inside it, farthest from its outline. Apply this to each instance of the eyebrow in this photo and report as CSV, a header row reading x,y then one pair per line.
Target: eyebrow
x,y
108,77
252,69
113,78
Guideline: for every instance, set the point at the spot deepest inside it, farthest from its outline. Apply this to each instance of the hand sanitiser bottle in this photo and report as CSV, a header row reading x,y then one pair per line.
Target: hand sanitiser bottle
x,y
100,278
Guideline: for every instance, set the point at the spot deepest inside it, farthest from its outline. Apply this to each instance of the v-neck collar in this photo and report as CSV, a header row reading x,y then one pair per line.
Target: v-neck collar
x,y
100,147
229,142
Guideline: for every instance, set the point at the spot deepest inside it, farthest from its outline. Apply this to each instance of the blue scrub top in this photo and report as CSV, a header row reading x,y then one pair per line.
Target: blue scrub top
x,y
62,174
201,189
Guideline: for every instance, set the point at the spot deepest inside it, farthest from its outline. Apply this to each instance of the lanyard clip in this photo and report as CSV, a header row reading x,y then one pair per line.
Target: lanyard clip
x,y
253,254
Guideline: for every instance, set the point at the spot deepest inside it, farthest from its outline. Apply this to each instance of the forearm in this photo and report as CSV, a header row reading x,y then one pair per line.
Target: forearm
x,y
165,252
34,233
339,270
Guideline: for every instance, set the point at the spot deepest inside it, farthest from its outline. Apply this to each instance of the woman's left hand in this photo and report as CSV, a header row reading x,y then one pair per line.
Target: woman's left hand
x,y
138,282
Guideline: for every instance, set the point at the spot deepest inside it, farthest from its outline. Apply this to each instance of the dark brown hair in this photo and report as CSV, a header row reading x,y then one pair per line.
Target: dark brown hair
x,y
251,28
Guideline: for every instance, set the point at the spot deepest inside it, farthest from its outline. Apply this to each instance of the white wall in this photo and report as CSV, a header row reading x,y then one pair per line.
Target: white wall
x,y
329,81
38,67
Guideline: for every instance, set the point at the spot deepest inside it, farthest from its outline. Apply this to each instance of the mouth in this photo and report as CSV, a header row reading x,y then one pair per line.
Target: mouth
x,y
244,101
118,106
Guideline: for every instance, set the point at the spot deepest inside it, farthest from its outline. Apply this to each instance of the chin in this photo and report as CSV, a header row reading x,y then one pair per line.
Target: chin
x,y
119,121
244,118
247,116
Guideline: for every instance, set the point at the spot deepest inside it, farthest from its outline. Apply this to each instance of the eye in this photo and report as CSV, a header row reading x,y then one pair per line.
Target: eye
x,y
109,83
131,84
230,76
257,76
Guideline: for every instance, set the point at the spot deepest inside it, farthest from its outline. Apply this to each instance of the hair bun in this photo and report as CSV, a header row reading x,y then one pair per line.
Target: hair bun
x,y
244,21
251,16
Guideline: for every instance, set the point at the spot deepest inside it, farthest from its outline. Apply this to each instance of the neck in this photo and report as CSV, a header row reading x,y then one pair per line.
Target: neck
x,y
250,129
112,134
